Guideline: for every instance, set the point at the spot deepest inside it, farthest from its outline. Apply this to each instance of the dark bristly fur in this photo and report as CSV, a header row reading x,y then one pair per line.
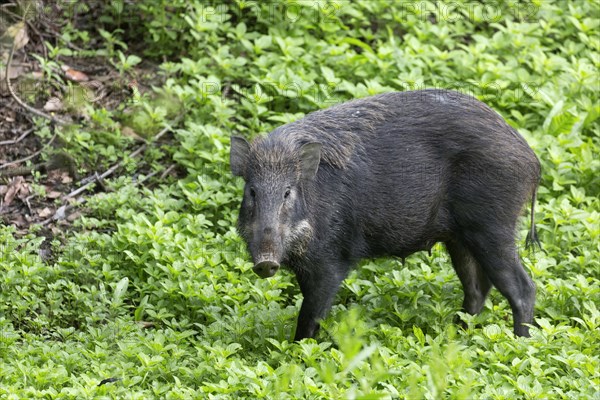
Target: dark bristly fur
x,y
390,175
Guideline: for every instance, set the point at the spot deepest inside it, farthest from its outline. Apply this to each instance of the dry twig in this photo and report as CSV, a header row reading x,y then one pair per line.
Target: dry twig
x,y
162,176
17,140
166,171
29,157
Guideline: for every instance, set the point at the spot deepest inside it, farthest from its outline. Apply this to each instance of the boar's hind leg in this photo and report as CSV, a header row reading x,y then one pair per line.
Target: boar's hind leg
x,y
497,254
319,287
476,284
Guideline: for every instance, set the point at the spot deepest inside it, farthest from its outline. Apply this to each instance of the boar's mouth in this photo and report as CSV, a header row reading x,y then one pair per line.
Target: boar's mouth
x,y
266,267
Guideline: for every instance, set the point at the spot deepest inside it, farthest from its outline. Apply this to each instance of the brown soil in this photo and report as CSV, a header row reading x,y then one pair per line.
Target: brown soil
x,y
26,198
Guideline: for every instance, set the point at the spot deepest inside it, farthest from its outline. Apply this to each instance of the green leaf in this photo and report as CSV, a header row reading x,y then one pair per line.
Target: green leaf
x,y
358,43
119,292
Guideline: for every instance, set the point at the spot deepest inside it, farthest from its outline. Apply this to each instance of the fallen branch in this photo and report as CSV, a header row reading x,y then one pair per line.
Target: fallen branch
x,y
62,211
97,177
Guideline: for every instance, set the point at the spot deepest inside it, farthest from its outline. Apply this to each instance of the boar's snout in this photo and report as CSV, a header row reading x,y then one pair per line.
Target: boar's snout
x,y
266,268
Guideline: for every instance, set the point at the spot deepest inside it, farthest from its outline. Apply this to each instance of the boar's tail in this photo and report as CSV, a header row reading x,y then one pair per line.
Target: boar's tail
x,y
532,237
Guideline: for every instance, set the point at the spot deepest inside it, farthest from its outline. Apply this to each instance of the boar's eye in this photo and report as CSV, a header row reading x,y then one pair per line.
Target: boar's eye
x,y
287,193
252,192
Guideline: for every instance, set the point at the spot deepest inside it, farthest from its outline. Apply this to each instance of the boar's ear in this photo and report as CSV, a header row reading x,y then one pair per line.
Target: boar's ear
x,y
310,156
238,155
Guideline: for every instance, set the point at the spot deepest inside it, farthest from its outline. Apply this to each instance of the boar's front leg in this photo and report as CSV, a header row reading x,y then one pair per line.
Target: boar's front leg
x,y
319,287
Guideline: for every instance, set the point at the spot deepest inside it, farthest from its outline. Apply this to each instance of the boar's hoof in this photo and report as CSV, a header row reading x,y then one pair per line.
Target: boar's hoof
x,y
266,269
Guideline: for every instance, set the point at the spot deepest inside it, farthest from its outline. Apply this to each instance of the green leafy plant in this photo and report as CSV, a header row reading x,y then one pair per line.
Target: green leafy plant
x,y
151,294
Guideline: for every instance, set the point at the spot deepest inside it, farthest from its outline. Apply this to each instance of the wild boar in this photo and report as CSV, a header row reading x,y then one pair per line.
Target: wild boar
x,y
390,175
